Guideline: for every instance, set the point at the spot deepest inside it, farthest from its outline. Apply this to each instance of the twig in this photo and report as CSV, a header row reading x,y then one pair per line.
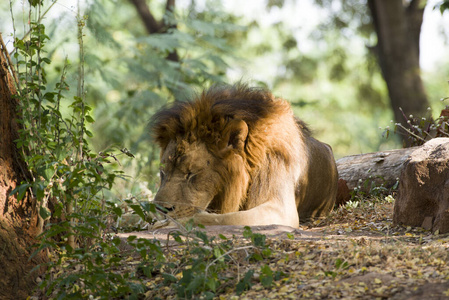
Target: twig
x,y
410,132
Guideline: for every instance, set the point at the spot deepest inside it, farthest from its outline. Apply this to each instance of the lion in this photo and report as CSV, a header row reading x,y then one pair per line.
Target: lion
x,y
238,156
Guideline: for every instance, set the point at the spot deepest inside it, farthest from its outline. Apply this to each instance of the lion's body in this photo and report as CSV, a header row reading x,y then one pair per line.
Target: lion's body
x,y
241,154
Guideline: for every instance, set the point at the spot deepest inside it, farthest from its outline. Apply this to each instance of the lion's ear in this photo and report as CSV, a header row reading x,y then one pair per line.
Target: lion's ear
x,y
234,135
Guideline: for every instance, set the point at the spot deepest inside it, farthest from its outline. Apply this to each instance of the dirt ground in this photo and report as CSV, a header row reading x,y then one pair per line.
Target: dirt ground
x,y
355,253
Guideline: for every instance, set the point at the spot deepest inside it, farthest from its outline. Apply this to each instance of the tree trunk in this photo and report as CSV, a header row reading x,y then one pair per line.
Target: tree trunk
x,y
18,220
398,28
373,169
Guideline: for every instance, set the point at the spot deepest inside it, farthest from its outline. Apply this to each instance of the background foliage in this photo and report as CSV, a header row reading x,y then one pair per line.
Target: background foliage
x,y
325,70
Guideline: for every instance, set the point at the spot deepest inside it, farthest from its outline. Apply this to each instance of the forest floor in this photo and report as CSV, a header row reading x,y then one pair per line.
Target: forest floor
x,y
355,253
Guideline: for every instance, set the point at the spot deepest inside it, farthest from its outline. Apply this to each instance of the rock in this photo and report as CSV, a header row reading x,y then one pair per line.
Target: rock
x,y
423,198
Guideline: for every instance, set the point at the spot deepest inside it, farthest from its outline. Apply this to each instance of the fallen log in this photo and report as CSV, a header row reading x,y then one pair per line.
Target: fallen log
x,y
365,171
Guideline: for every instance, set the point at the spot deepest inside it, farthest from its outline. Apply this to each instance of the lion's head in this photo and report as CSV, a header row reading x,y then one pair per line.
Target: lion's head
x,y
204,157
191,177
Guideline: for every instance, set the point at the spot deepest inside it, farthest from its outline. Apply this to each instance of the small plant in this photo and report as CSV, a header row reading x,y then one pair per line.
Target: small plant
x,y
352,204
373,186
420,130
209,258
389,199
67,179
339,267
203,270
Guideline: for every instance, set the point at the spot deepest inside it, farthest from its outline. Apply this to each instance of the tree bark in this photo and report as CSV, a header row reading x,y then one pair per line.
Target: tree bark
x,y
152,25
373,169
398,28
18,220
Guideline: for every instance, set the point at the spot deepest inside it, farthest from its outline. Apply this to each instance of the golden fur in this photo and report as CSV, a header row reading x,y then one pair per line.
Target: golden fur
x,y
240,152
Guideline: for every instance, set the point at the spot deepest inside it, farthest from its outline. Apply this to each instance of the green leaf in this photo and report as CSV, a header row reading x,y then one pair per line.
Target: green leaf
x,y
116,241
176,236
49,96
189,225
21,190
266,252
168,278
258,239
117,211
195,284
131,238
39,189
202,27
162,42
138,210
187,277
247,232
266,276
222,237
57,211
257,256
444,6
330,274
245,283
48,174
212,283
44,213
217,253
278,275
148,206
89,119
338,263
52,145
147,271
35,3
203,236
